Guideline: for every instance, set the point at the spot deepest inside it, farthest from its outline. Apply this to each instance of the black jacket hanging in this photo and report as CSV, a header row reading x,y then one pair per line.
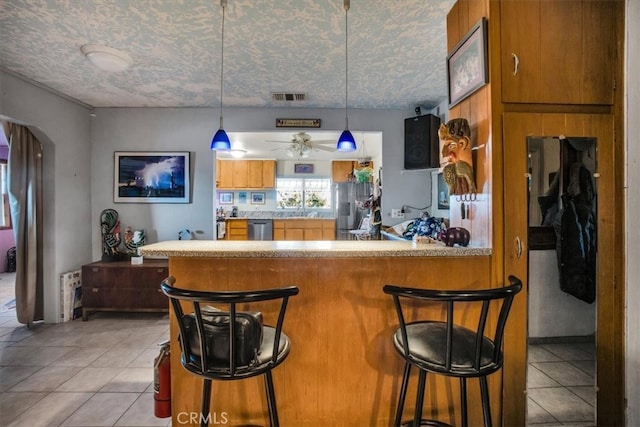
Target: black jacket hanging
x,y
575,228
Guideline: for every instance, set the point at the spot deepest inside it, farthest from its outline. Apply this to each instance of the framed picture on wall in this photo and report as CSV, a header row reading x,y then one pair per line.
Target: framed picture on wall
x,y
467,66
303,168
225,197
151,177
443,193
258,198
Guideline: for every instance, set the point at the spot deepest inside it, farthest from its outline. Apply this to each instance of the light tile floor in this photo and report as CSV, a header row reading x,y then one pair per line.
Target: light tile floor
x,y
100,372
561,378
94,373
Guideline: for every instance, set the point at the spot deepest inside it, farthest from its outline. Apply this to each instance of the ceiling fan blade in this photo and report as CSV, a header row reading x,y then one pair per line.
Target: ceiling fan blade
x,y
271,140
325,141
319,147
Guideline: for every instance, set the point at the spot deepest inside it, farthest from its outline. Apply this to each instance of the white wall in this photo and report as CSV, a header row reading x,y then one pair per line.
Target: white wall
x,y
632,86
121,129
63,128
552,312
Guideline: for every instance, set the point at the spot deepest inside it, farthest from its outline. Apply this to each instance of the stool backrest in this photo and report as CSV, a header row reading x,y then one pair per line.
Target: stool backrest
x,y
228,299
450,298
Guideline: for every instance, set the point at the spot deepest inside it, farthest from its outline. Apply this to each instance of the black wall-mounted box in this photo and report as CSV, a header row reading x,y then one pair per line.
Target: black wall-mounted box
x,y
421,144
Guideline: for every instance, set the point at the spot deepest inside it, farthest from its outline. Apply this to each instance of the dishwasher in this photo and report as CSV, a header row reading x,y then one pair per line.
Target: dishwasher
x,y
260,229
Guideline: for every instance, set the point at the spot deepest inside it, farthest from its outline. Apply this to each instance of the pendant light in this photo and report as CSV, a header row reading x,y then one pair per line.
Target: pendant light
x,y
346,142
220,141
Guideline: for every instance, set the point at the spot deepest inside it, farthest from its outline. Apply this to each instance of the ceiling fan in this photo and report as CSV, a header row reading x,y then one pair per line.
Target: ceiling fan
x,y
301,145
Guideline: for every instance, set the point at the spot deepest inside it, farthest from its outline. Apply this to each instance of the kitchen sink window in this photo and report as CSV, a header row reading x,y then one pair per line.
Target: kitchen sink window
x,y
303,193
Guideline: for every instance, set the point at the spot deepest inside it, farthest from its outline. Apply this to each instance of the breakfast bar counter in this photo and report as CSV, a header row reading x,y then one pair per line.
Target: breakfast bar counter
x,y
343,369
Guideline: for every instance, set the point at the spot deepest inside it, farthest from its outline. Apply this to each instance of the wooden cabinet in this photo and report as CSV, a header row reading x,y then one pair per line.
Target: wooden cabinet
x,y
558,52
245,174
236,229
120,286
304,229
342,170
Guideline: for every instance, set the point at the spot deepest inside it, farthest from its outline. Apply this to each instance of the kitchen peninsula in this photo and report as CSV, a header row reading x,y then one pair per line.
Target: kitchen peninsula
x,y
342,369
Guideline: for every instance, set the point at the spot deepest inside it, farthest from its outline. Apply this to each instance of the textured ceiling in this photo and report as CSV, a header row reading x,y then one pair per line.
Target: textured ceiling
x,y
396,51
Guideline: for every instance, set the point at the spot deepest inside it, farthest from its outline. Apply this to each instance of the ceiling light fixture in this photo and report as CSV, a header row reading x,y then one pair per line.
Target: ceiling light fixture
x,y
237,153
220,141
346,142
106,58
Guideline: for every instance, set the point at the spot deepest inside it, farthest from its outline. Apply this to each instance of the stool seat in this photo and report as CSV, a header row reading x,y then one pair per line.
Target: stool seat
x,y
428,349
441,346
230,345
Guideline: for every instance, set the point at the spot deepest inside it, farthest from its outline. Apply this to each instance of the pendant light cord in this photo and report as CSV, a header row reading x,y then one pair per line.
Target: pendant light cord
x,y
223,3
346,62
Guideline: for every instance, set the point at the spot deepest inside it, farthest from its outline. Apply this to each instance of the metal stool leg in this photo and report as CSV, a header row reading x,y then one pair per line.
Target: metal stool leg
x,y
403,394
486,409
206,402
422,379
463,401
271,400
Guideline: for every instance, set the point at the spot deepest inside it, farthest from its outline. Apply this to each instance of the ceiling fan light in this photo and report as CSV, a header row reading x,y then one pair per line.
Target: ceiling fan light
x,y
220,141
346,142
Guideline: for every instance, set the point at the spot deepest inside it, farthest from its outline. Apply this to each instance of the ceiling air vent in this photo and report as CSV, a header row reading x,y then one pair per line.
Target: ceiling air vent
x,y
280,96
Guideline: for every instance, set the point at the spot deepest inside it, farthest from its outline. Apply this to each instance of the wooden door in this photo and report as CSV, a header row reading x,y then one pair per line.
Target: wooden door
x,y
240,173
254,173
520,45
558,52
268,174
224,174
610,316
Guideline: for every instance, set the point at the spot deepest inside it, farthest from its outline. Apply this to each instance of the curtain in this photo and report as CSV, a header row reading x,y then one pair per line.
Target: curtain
x,y
25,197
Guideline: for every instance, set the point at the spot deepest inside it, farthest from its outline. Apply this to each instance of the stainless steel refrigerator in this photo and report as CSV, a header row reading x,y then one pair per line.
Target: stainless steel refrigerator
x,y
348,211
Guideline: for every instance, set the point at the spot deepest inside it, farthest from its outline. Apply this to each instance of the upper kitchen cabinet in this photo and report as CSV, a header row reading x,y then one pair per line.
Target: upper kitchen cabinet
x,y
558,52
245,174
342,170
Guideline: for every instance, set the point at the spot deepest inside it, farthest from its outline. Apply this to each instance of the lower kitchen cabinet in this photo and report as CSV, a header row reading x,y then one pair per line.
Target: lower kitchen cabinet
x,y
121,286
304,229
236,229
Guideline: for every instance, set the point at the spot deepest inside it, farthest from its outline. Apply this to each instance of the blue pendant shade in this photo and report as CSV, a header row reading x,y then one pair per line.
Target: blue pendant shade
x,y
220,141
346,142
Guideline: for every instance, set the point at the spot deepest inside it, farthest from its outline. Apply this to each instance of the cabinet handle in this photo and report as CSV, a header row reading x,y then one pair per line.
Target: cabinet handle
x,y
518,245
516,64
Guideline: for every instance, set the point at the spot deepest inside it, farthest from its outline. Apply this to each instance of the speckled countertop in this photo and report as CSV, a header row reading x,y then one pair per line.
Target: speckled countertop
x,y
304,249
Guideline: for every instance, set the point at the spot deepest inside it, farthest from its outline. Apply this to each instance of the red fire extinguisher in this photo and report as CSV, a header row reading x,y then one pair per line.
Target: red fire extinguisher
x,y
162,382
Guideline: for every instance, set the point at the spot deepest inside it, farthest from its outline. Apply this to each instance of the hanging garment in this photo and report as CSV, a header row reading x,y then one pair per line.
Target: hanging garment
x,y
575,228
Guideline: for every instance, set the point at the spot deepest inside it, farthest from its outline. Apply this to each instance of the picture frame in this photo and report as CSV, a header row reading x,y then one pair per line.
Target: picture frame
x,y
443,192
225,197
298,123
303,168
258,198
467,65
151,177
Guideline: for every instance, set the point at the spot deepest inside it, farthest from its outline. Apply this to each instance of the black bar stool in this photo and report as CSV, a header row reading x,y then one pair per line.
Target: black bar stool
x,y
216,344
443,347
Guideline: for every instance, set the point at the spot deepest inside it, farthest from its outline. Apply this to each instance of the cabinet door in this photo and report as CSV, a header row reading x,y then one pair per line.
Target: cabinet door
x,y
278,230
294,233
328,230
342,171
558,52
240,173
313,234
224,174
254,173
269,174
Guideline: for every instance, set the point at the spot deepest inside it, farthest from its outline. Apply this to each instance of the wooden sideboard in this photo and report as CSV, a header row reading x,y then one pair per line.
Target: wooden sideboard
x,y
121,286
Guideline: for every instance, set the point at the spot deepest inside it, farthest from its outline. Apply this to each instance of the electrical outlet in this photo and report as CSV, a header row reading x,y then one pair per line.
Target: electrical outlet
x,y
397,213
